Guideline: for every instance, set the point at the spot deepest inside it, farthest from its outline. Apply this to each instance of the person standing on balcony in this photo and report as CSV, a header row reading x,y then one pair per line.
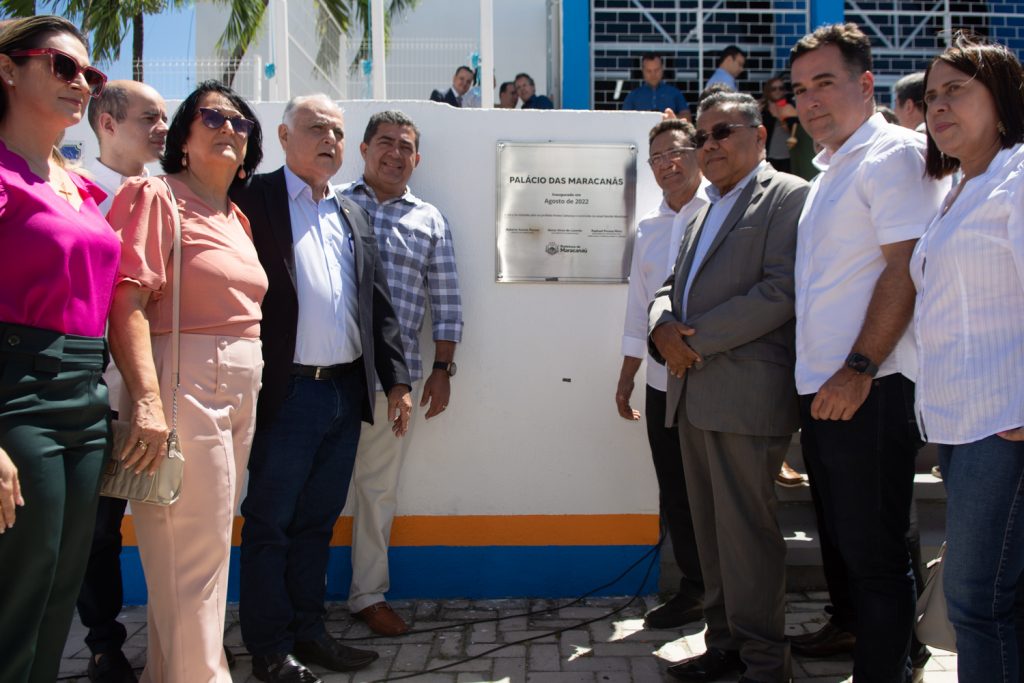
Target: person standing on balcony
x,y
655,94
461,82
528,94
731,62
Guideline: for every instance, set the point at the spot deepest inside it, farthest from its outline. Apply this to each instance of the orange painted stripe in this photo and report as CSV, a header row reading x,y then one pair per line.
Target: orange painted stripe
x,y
485,530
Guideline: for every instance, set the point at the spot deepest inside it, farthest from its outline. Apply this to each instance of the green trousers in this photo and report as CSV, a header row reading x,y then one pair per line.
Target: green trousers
x,y
53,425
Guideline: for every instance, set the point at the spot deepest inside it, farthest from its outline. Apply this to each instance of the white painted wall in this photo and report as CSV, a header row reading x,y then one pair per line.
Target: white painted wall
x,y
516,438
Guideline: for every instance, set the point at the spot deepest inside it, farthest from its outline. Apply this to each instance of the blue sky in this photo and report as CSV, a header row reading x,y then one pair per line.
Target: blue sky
x,y
170,35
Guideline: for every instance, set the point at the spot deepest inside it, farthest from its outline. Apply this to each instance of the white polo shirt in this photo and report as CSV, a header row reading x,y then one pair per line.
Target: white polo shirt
x,y
658,236
872,191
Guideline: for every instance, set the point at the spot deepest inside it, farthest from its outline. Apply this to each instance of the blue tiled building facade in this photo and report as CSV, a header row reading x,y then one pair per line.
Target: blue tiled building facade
x,y
905,35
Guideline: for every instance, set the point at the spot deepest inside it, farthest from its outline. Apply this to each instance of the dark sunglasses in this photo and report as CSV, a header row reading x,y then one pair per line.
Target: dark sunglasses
x,y
719,132
214,120
66,68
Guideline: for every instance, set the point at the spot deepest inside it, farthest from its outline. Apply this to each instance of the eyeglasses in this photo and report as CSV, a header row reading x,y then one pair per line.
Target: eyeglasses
x,y
669,156
719,132
66,68
214,120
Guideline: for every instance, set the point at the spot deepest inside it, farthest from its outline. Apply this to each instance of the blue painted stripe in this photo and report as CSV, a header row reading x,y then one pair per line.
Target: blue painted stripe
x,y
437,572
576,54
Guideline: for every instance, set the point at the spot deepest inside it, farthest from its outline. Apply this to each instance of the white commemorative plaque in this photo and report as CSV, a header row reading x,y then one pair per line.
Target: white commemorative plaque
x,y
564,212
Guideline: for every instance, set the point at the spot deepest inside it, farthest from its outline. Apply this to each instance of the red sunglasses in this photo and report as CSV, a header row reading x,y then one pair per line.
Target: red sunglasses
x,y
66,68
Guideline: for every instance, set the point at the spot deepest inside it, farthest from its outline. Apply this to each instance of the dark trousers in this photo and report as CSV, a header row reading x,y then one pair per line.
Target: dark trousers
x,y
53,425
674,504
299,474
102,594
863,481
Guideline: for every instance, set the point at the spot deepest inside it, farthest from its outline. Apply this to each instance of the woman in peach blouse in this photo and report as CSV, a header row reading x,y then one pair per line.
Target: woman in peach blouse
x,y
213,141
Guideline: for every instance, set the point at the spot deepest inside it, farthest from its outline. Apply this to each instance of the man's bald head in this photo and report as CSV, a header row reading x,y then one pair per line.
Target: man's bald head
x,y
115,99
130,122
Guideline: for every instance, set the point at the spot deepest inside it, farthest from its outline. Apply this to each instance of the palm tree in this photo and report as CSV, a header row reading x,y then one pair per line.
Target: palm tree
x,y
350,16
106,21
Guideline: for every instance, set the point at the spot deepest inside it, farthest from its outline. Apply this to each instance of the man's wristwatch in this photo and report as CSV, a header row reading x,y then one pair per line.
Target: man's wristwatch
x,y
449,368
861,364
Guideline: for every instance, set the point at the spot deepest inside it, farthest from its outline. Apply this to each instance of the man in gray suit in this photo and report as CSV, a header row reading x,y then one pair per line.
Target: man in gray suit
x,y
723,325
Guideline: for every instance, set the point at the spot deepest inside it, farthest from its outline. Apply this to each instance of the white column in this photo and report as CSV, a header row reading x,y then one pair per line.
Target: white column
x,y
486,54
280,84
380,89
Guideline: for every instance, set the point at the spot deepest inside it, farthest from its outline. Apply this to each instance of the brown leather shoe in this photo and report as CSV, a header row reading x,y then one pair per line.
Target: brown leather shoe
x,y
382,620
828,641
788,477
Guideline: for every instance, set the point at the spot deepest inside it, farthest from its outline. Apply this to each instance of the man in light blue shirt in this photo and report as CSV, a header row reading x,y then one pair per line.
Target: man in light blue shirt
x,y
655,94
731,62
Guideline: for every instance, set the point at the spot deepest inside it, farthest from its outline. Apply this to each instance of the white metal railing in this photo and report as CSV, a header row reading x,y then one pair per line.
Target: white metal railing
x,y
415,67
176,78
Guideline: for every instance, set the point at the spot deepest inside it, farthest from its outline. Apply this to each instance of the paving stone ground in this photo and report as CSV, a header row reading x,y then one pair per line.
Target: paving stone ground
x,y
598,640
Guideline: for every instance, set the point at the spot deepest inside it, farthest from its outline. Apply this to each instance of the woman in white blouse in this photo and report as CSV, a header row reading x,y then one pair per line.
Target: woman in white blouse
x,y
969,322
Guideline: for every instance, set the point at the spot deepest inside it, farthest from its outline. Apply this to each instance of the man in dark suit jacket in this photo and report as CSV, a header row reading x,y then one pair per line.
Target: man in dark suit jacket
x,y
329,331
724,325
461,83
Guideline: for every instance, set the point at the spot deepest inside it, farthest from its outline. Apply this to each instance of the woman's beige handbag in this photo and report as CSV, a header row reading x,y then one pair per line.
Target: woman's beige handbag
x,y
164,487
933,627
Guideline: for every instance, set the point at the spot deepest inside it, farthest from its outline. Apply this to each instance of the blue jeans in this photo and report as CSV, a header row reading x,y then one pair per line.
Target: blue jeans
x,y
299,474
985,555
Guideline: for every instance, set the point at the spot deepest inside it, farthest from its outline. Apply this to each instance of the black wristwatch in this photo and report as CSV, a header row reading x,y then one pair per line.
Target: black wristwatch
x,y
449,368
862,364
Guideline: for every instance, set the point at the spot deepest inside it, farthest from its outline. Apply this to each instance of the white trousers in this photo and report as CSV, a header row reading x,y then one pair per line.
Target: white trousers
x,y
373,500
185,547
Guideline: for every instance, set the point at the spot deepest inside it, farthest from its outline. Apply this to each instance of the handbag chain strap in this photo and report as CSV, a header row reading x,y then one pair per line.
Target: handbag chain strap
x,y
172,438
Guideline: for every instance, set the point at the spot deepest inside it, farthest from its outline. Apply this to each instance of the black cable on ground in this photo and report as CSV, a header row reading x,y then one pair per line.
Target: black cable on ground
x,y
636,596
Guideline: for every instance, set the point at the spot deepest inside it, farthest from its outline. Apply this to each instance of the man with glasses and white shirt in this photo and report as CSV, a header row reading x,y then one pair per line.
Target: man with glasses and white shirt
x,y
723,324
673,163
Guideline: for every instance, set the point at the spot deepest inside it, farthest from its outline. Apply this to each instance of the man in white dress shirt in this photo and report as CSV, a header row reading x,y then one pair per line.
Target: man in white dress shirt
x,y
673,162
130,122
856,362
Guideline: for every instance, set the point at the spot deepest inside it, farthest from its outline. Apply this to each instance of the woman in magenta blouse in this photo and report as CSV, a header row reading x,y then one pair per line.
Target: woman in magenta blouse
x,y
58,260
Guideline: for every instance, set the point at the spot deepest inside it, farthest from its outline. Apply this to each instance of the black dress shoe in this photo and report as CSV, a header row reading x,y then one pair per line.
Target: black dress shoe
x,y
280,668
709,666
827,641
677,612
330,654
112,667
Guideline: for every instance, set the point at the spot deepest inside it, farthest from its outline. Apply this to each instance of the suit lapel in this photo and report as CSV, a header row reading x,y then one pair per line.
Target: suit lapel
x,y
684,262
748,199
359,232
281,220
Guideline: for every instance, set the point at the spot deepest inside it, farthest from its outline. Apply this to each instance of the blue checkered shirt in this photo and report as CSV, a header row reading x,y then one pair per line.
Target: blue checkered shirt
x,y
419,257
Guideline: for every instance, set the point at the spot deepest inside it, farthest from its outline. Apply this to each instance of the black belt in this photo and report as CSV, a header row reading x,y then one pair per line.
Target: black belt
x,y
326,371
